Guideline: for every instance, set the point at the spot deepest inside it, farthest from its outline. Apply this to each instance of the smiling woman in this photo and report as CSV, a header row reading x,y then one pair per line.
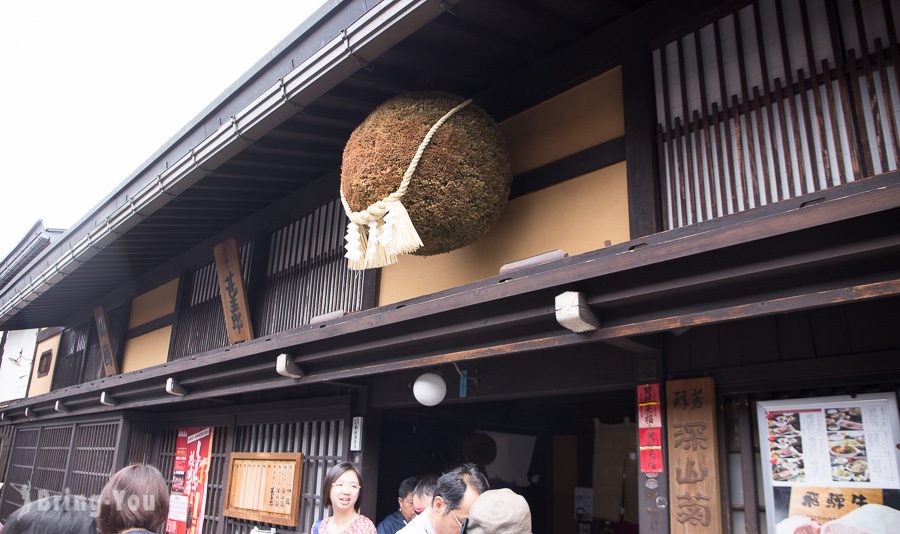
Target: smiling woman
x,y
341,492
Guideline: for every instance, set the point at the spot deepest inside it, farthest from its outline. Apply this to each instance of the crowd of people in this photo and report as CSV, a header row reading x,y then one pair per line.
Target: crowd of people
x,y
458,501
135,500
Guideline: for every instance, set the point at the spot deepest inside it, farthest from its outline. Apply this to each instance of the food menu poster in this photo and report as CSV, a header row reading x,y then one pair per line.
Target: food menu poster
x,y
264,487
836,445
187,502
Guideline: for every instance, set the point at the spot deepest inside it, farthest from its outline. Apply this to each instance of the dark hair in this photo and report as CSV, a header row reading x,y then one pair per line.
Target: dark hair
x,y
335,473
452,486
426,486
407,486
135,497
59,514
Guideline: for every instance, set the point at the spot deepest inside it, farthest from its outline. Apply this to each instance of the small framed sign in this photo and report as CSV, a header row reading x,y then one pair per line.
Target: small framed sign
x,y
264,486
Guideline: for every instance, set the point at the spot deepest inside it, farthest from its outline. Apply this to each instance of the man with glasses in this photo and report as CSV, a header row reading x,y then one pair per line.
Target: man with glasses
x,y
397,520
454,495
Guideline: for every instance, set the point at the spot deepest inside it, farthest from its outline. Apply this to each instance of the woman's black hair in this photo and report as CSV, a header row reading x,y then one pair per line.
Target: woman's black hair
x,y
59,514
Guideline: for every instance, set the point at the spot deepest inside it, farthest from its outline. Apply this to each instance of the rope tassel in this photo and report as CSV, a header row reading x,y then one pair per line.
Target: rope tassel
x,y
390,229
399,236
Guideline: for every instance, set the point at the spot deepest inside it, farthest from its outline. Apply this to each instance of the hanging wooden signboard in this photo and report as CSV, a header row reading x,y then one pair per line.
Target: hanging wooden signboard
x,y
264,486
107,354
232,292
693,456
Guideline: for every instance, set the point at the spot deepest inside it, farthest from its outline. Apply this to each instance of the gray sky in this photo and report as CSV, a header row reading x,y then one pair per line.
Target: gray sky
x,y
91,88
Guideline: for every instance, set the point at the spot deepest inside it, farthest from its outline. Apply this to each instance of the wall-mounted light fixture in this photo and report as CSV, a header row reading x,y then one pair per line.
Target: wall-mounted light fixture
x,y
174,388
285,366
573,312
107,400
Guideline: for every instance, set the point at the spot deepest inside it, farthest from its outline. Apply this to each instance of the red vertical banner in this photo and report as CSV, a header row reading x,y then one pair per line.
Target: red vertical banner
x,y
650,428
187,502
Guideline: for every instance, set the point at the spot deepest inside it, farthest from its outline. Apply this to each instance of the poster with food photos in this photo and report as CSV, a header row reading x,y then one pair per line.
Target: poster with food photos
x,y
828,446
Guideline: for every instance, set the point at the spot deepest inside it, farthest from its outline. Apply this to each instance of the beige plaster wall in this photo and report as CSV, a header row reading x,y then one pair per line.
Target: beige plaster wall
x,y
153,304
576,216
147,350
584,116
39,386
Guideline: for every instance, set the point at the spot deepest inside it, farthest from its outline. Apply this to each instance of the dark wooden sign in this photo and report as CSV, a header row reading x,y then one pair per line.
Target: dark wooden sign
x,y
693,457
107,353
232,292
264,486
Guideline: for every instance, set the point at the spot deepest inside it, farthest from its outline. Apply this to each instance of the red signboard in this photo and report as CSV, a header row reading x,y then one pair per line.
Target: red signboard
x,y
187,502
650,428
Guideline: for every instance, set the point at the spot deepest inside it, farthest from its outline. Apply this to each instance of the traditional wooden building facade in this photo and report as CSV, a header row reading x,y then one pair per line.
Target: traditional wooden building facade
x,y
722,177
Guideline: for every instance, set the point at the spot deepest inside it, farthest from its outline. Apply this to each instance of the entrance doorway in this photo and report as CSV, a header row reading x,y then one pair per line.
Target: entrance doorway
x,y
555,451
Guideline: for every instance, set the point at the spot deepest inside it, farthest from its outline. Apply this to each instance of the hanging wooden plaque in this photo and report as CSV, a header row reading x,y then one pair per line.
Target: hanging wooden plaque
x,y
232,292
693,457
264,486
107,353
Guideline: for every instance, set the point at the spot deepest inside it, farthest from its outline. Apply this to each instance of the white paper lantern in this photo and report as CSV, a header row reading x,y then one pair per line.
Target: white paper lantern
x,y
430,389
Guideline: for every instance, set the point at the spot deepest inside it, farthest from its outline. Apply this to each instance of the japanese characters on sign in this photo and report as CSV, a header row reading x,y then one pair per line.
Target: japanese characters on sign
x,y
264,487
693,456
107,354
232,292
825,457
187,502
650,429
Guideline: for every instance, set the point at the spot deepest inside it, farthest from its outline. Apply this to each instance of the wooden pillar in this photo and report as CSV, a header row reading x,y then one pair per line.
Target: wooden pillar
x,y
653,482
639,97
368,458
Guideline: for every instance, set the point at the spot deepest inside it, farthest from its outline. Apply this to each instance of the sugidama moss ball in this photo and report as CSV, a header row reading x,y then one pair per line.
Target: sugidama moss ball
x,y
462,182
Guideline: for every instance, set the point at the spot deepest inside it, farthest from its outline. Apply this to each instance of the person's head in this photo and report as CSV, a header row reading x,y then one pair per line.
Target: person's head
x,y
59,514
454,495
499,511
423,493
135,497
343,488
405,498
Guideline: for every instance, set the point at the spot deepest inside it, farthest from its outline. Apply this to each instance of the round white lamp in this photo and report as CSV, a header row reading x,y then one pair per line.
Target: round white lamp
x,y
430,389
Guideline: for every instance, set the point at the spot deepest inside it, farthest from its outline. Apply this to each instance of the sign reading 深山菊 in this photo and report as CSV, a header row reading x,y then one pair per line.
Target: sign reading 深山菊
x,y
695,501
232,292
187,502
825,457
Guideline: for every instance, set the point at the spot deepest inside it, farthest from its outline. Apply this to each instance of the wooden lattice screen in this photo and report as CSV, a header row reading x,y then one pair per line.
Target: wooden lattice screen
x,y
51,459
78,360
322,442
776,100
307,274
201,325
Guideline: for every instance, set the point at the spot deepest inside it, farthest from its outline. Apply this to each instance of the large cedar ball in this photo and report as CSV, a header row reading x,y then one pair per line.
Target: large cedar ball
x,y
461,183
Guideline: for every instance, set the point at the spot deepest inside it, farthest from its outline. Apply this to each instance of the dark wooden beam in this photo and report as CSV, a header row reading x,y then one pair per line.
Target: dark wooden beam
x,y
639,94
583,162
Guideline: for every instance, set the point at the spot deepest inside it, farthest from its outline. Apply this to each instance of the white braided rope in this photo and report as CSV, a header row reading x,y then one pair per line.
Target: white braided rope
x,y
377,235
377,210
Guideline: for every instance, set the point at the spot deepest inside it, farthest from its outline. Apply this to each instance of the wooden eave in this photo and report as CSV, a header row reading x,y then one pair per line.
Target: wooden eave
x,y
833,247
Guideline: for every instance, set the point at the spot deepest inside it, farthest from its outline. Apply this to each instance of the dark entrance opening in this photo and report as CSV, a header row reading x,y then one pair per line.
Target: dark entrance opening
x,y
546,449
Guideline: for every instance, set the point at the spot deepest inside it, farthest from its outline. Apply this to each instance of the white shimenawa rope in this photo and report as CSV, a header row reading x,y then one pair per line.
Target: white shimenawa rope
x,y
390,230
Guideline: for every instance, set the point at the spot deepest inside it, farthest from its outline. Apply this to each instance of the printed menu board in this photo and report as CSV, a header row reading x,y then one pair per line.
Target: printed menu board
x,y
840,449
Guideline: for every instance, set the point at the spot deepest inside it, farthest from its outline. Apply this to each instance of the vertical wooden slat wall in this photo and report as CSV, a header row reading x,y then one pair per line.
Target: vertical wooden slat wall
x,y
779,99
306,274
52,459
201,325
322,443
